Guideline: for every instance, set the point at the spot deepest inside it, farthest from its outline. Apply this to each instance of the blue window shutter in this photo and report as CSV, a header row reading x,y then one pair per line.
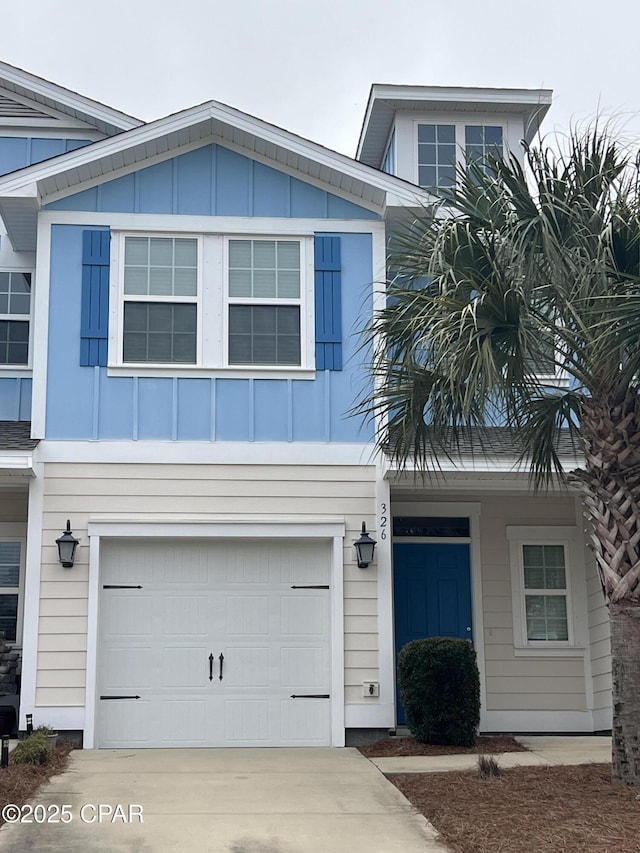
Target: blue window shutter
x,y
328,303
94,311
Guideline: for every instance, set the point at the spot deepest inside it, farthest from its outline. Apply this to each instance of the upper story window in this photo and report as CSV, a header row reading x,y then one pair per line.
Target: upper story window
x,y
481,142
264,302
15,313
213,302
442,147
437,156
160,300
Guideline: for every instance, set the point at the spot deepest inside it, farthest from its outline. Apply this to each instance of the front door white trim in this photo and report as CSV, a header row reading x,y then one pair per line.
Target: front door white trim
x,y
243,527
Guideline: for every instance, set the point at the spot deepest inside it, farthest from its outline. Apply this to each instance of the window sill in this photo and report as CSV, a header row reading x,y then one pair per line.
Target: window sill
x,y
194,372
555,650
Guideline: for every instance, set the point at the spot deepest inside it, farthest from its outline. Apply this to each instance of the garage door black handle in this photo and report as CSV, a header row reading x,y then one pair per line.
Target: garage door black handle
x,y
211,666
221,659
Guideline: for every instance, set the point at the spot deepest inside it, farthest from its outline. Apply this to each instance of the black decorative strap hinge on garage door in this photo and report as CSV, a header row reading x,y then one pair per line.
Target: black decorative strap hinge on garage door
x,y
120,697
310,696
119,586
312,586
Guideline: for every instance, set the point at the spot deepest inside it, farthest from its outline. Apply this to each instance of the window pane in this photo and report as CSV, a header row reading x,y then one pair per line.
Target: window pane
x,y
136,250
427,176
185,282
239,282
288,284
240,254
264,269
136,281
9,615
473,135
547,617
160,281
161,252
160,266
427,154
447,133
264,284
159,333
264,254
544,566
264,334
14,342
186,253
9,564
533,555
426,133
288,255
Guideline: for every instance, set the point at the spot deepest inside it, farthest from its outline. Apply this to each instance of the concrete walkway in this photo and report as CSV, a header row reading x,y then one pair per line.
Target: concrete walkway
x,y
222,801
544,750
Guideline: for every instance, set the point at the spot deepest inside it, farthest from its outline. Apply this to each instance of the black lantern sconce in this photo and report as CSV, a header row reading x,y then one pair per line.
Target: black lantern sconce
x,y
67,544
364,546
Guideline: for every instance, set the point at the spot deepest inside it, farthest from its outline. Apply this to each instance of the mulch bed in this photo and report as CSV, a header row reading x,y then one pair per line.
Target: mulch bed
x,y
398,746
529,810
19,782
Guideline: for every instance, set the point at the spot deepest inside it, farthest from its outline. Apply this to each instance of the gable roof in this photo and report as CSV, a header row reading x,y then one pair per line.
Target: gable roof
x,y
23,192
30,99
385,100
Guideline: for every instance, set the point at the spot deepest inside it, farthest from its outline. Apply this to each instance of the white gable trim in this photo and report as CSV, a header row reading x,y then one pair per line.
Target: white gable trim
x,y
49,96
138,146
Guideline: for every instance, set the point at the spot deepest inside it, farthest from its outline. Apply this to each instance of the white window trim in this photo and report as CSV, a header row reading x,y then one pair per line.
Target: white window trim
x,y
213,310
305,302
19,369
16,532
541,535
118,299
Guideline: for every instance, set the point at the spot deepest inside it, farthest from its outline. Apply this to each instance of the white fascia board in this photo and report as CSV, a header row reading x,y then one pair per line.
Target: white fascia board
x,y
43,92
107,148
205,453
463,95
17,461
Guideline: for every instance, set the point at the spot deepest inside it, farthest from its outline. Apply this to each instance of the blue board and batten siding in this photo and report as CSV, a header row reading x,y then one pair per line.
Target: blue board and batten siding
x,y
213,181
16,152
211,408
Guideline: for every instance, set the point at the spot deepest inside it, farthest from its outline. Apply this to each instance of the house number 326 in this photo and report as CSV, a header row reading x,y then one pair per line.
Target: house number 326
x,y
383,521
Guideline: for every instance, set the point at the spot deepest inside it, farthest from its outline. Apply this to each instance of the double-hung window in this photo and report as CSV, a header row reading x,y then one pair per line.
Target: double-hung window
x,y
160,300
541,561
264,298
235,304
15,313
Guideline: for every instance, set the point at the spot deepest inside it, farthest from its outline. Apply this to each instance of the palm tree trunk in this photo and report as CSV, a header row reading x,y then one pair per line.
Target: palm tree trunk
x,y
625,653
611,497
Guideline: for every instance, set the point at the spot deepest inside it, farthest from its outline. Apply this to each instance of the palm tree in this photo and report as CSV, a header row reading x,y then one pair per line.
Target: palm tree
x,y
516,303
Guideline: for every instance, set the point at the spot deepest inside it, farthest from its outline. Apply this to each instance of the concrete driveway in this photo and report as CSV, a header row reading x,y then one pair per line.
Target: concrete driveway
x,y
223,801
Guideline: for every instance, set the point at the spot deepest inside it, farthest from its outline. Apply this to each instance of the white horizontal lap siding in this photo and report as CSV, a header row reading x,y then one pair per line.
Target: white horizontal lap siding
x,y
521,683
599,641
169,492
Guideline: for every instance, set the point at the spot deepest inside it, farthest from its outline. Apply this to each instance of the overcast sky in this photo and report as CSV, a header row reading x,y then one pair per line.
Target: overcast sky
x,y
307,65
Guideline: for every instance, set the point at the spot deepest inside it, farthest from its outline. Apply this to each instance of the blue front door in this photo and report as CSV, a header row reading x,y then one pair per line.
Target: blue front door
x,y
432,594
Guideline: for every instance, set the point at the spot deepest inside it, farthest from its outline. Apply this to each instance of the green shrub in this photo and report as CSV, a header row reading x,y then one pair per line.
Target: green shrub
x,y
440,690
32,750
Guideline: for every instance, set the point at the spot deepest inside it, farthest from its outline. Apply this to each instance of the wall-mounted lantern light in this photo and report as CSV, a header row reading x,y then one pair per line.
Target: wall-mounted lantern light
x,y
364,548
67,544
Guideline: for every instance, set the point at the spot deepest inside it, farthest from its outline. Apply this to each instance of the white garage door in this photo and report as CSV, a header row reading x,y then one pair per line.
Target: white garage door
x,y
214,644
